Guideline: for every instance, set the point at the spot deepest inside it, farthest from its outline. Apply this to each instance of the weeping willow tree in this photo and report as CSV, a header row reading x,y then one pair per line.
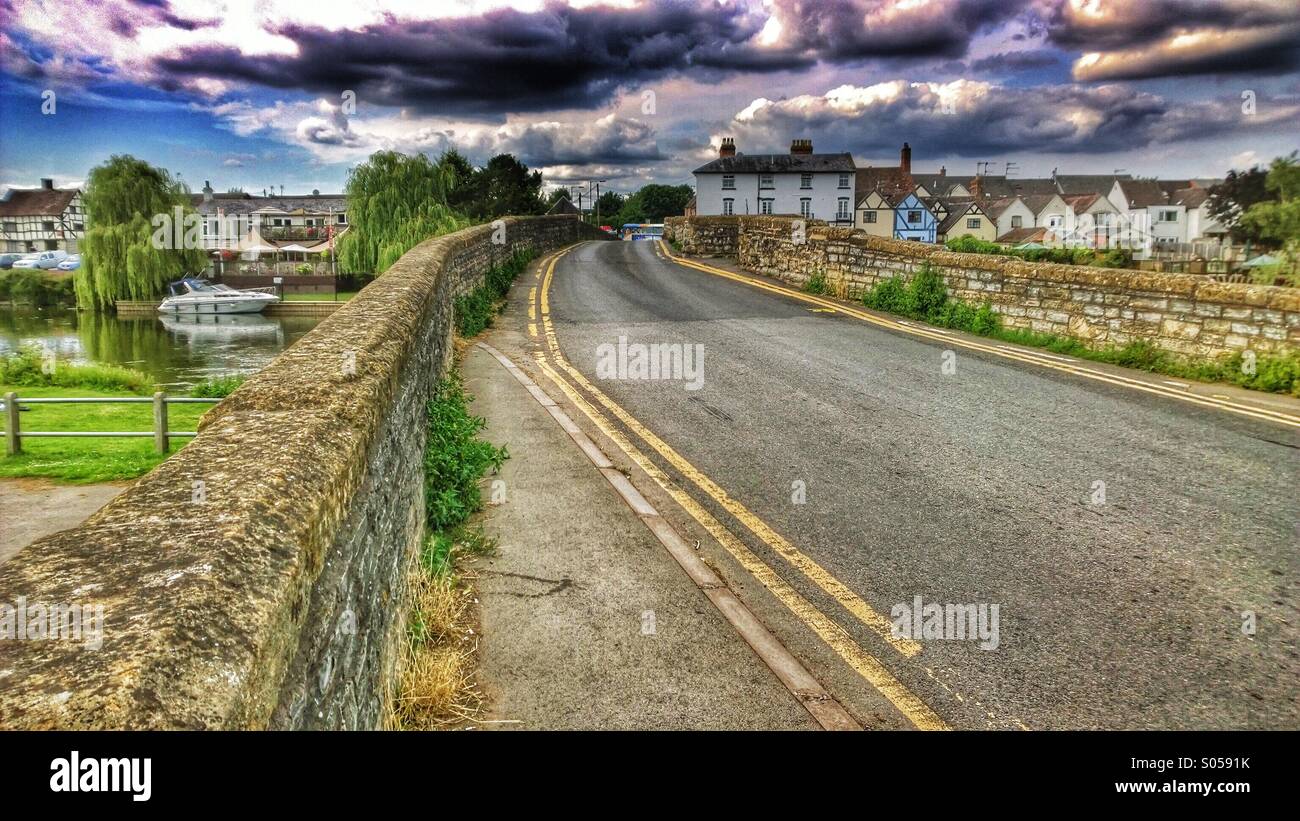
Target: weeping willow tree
x,y
395,202
119,258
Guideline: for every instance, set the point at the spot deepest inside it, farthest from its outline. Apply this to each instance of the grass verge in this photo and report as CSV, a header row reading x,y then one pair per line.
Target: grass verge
x,y
343,296
434,687
925,298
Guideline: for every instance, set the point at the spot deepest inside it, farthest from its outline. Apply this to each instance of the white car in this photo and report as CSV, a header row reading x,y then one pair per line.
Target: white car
x,y
43,259
72,263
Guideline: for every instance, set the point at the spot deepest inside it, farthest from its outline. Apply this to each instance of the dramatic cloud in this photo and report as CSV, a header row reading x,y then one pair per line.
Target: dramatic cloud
x,y
970,119
1136,39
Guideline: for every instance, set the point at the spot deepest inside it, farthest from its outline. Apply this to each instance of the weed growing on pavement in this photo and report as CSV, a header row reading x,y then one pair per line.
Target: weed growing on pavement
x,y
475,310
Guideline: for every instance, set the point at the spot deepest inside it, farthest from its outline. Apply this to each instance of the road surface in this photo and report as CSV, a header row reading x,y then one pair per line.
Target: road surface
x,y
1129,541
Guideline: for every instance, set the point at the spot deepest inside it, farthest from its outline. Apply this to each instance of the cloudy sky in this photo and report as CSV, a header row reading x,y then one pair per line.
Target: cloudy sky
x,y
256,94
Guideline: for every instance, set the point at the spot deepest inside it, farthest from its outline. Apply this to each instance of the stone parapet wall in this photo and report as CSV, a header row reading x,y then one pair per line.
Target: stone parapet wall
x,y
1193,316
257,578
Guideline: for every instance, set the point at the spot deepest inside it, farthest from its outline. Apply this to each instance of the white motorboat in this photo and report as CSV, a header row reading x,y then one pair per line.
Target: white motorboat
x,y
194,296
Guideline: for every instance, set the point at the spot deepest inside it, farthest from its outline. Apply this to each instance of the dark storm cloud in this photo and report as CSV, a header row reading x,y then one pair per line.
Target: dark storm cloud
x,y
994,120
1127,23
564,58
1015,61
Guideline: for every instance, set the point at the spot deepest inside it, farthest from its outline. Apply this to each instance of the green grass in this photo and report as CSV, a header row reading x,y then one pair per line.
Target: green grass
x,y
26,368
816,284
476,310
925,298
455,458
85,461
343,296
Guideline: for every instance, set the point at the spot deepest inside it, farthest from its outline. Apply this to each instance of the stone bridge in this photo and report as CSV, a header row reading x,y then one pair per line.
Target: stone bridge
x,y
256,578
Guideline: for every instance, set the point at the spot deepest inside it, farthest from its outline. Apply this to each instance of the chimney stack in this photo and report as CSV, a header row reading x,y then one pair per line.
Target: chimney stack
x,y
728,147
905,159
977,187
801,146
943,171
47,183
207,191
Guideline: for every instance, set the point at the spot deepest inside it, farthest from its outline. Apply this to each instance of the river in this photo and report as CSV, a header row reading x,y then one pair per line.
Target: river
x,y
176,352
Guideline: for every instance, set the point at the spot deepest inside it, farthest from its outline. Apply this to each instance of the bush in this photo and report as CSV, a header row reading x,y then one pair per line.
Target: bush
x,y
36,287
889,296
25,368
217,387
455,458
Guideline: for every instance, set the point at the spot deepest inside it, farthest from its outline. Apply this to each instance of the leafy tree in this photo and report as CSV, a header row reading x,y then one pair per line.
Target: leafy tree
x,y
395,202
1234,196
609,205
506,186
654,202
125,201
464,190
1277,221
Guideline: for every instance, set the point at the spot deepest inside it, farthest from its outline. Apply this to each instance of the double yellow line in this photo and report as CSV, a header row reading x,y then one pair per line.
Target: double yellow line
x,y
835,636
1031,357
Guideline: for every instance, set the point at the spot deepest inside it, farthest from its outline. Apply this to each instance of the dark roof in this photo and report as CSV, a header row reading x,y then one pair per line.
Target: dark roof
x,y
37,202
778,163
564,206
1143,193
1073,184
1037,202
1000,186
957,210
995,207
245,204
1082,202
1190,197
890,180
937,184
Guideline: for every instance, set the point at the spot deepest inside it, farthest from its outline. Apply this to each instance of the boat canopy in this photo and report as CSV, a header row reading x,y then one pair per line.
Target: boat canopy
x,y
187,285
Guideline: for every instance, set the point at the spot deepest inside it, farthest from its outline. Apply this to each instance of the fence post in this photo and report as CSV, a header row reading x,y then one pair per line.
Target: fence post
x,y
160,422
13,437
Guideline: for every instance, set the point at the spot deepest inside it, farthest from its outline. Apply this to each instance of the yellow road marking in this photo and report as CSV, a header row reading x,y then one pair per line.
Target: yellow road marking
x,y
852,602
866,665
1218,401
532,329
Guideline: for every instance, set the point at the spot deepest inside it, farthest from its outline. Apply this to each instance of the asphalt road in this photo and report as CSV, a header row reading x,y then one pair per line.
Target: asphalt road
x,y
975,486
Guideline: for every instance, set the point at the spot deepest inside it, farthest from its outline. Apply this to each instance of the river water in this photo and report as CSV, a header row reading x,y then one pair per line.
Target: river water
x,y
176,352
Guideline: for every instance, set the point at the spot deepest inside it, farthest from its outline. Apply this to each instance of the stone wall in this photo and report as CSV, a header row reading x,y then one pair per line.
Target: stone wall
x,y
257,577
1194,316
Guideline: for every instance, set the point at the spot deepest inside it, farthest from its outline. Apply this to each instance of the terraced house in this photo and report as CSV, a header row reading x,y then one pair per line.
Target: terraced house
x,y
42,219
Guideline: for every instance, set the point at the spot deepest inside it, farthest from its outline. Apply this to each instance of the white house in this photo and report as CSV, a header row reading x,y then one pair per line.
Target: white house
x,y
1010,213
801,183
231,221
1155,222
42,219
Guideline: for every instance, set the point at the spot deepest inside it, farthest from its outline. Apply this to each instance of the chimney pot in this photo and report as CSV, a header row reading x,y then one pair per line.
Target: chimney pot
x,y
728,147
47,183
801,147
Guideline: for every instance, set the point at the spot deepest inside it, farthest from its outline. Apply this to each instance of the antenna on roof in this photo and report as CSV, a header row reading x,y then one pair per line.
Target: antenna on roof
x,y
1118,171
1012,168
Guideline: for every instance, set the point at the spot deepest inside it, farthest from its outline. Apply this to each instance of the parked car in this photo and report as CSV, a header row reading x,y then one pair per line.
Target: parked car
x,y
42,259
72,263
7,260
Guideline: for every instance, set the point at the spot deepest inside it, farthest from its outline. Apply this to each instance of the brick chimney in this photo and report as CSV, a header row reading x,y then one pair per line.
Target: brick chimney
x,y
977,187
943,171
905,159
801,146
728,147
47,183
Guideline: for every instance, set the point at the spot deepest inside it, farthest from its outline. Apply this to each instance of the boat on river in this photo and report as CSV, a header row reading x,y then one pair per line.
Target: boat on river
x,y
194,296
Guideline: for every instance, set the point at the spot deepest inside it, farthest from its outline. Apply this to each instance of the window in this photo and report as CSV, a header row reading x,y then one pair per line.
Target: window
x,y
11,227
728,207
765,181
729,182
844,180
973,222
913,216
869,216
843,213
805,180
1017,222
765,206
1169,216
343,219
78,226
51,245
47,227
805,208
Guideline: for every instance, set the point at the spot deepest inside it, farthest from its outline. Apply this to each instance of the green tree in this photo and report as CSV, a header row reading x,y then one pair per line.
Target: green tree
x,y
395,202
1234,196
1277,221
654,202
506,186
127,253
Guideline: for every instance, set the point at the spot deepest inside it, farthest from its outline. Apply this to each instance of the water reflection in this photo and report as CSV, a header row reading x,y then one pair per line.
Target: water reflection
x,y
176,351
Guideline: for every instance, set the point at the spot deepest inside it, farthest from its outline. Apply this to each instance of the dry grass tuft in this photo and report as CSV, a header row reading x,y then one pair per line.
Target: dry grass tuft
x,y
435,687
